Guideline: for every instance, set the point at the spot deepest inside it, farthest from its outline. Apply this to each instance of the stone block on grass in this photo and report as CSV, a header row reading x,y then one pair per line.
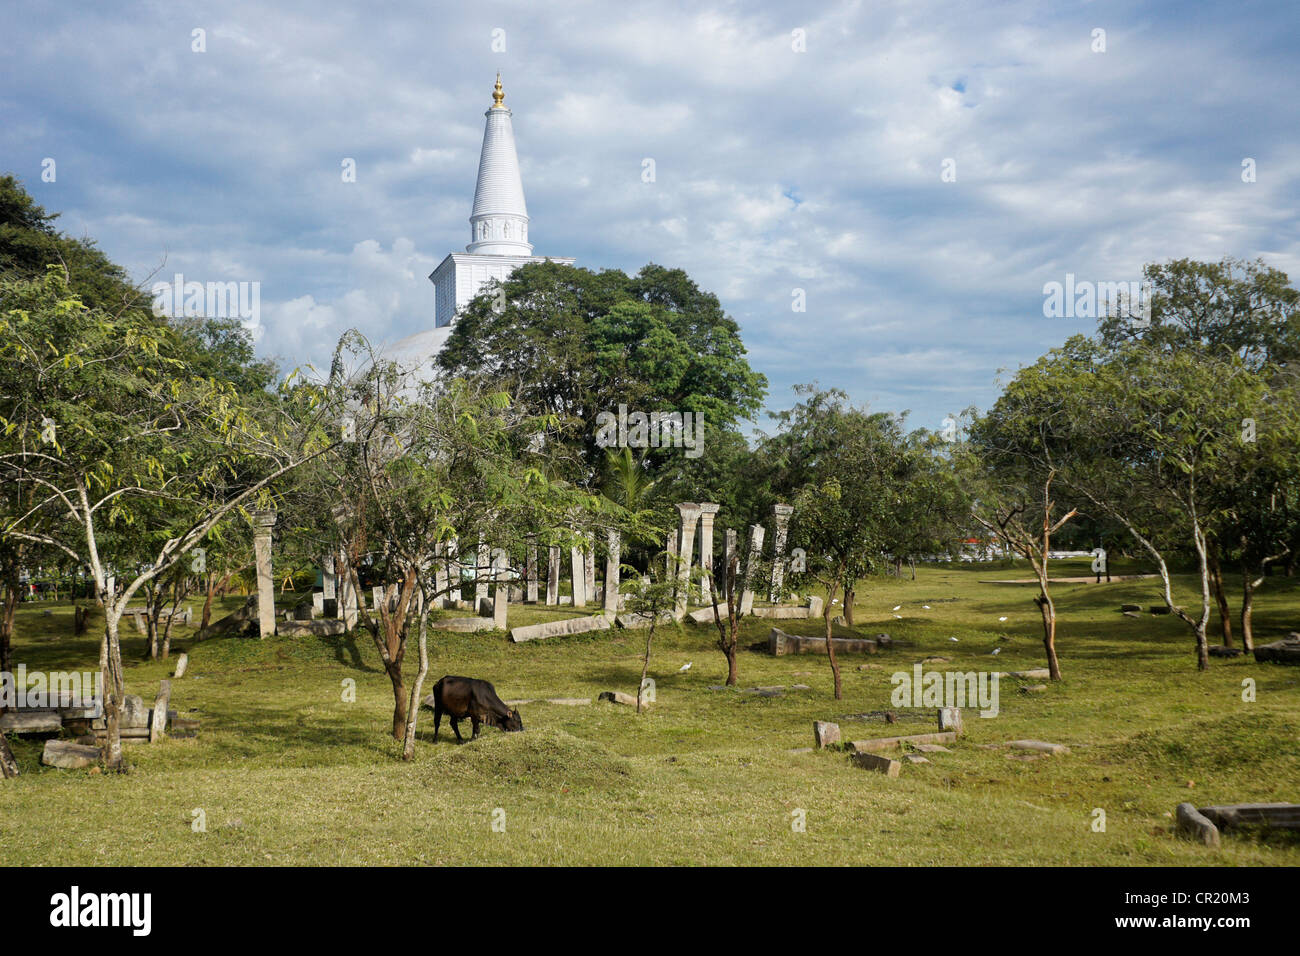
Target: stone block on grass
x,y
825,733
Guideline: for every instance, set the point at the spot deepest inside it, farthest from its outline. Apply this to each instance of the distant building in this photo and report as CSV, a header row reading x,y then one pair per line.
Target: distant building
x,y
498,238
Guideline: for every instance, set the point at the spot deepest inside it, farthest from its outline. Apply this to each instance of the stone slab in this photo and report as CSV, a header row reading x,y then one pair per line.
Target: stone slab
x,y
1285,651
67,755
465,625
618,697
1192,823
780,644
872,761
572,625
782,613
825,733
321,627
1041,746
35,722
705,614
881,744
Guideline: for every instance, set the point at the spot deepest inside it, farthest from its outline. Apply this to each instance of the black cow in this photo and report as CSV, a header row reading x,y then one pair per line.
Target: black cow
x,y
461,697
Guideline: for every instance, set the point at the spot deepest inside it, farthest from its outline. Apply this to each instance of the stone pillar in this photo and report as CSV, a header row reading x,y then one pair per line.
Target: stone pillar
x,y
263,522
578,571
317,604
346,605
377,599
729,549
500,592
689,513
613,554
707,511
482,572
780,527
751,568
439,571
453,573
530,571
552,576
589,568
328,579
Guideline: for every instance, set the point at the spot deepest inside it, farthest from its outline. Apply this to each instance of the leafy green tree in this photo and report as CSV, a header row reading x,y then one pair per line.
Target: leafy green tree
x,y
573,343
104,427
851,467
426,462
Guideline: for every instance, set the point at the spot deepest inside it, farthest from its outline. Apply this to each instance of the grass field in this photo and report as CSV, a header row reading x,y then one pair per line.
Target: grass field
x,y
286,772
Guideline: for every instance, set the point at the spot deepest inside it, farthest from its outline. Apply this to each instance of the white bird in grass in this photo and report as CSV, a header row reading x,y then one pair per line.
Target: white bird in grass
x,y
898,607
925,607
1002,619
953,639
685,667
899,616
995,651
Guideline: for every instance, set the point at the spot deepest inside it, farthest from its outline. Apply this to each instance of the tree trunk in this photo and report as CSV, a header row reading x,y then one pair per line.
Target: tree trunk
x,y
399,700
8,765
645,661
7,626
413,708
1048,609
207,601
110,662
1247,608
733,666
1220,598
849,597
912,562
830,646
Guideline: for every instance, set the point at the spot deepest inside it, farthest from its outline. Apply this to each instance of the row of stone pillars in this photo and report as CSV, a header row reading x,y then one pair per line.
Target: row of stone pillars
x,y
696,520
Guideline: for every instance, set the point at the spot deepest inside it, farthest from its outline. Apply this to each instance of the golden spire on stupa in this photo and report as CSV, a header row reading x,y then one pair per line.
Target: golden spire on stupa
x,y
498,95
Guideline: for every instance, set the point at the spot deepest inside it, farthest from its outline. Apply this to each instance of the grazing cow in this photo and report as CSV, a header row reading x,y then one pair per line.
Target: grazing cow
x,y
460,697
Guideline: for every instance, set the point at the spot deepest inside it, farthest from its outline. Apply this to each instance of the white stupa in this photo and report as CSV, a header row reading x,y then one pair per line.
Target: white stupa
x,y
498,239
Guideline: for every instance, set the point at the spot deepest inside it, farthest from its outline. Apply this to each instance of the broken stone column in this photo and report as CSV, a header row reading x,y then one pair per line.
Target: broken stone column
x,y
752,559
552,576
578,571
482,572
377,598
613,554
530,571
263,522
689,516
317,604
780,528
328,578
707,511
729,549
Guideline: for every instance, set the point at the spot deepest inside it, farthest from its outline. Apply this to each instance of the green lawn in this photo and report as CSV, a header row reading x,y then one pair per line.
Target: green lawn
x,y
286,772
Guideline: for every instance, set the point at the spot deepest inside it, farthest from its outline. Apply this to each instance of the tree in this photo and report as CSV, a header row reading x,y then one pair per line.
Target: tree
x,y
853,469
573,343
1145,435
103,424
426,462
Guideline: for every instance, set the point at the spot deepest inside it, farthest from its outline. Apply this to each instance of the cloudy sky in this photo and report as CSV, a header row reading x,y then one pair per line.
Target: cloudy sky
x,y
795,146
